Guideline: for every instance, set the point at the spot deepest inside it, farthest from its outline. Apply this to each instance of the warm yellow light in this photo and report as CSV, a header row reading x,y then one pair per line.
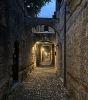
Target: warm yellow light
x,y
42,49
45,53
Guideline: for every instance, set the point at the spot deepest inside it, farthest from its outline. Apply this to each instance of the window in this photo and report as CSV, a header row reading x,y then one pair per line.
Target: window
x,y
45,28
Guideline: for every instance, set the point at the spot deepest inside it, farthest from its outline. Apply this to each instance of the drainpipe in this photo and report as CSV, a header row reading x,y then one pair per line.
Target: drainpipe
x,y
64,44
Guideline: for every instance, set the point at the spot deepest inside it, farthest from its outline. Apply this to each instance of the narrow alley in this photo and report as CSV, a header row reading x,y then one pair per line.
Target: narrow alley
x,y
43,58
42,84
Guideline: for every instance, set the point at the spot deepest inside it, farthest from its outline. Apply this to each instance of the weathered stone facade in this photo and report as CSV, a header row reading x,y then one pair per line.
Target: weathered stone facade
x,y
76,47
77,52
12,37
16,43
17,58
52,22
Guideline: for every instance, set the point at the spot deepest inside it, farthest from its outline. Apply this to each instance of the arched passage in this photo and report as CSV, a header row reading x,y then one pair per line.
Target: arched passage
x,y
52,22
45,55
41,36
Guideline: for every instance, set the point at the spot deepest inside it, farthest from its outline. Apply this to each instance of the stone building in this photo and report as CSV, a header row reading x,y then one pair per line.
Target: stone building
x,y
18,44
14,52
73,15
22,45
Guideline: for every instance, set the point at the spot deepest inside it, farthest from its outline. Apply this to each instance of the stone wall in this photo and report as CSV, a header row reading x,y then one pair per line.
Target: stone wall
x,y
5,60
60,48
77,70
44,37
27,52
12,31
16,43
76,48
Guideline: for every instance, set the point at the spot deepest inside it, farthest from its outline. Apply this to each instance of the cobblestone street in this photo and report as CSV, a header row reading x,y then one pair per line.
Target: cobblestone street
x,y
42,84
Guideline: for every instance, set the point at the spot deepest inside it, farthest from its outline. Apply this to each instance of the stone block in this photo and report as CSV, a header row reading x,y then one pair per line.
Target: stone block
x,y
20,59
1,50
1,59
1,74
20,76
83,95
1,96
10,82
10,62
84,14
20,63
87,12
1,68
10,74
86,96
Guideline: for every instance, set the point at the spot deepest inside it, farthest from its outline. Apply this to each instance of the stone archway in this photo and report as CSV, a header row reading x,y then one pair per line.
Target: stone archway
x,y
52,22
44,54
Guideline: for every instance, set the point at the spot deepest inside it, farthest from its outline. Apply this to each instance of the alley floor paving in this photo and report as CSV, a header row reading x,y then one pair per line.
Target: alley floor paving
x,y
41,84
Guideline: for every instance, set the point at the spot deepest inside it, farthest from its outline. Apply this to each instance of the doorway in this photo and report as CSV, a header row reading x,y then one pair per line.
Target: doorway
x,y
15,62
